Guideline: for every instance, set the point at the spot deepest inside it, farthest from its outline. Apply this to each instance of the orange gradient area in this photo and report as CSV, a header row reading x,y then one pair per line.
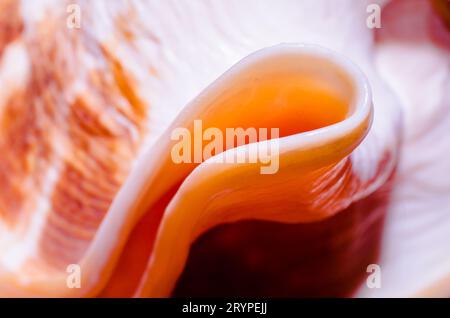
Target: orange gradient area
x,y
292,103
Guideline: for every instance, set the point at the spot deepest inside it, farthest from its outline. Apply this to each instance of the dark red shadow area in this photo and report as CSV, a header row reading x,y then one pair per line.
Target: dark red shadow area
x,y
258,258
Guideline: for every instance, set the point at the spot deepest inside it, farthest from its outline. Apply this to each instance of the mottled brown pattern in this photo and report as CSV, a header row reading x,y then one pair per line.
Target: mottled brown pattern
x,y
89,135
11,24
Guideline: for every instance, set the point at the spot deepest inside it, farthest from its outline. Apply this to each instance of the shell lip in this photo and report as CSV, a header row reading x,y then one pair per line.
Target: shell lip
x,y
361,103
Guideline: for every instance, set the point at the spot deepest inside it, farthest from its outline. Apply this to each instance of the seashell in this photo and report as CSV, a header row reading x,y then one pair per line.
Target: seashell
x,y
89,178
